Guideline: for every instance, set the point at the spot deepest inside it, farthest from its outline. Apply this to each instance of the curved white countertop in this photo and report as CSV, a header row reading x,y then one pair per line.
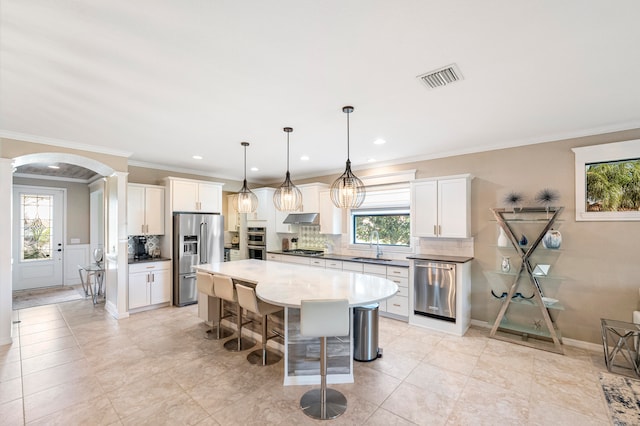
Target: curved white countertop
x,y
286,284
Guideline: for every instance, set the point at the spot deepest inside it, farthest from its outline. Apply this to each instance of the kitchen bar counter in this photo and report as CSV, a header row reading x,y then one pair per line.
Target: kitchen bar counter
x,y
349,258
286,285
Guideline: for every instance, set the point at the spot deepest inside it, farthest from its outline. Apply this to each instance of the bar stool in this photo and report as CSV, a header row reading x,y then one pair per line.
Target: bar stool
x,y
204,281
248,300
322,318
223,287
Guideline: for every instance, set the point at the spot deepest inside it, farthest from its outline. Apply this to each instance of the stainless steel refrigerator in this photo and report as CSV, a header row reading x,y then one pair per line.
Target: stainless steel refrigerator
x,y
197,238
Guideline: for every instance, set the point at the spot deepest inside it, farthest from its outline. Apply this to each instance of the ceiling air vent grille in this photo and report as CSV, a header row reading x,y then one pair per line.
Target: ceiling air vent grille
x,y
441,77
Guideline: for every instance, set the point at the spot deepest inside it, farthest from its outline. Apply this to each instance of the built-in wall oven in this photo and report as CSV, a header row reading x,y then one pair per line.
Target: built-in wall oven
x,y
434,289
257,243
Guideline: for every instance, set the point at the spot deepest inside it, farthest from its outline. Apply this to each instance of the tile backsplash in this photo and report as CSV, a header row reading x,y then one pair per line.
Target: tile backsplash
x,y
153,242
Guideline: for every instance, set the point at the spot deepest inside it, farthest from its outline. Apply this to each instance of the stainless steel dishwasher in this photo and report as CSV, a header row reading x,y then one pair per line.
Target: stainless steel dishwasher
x,y
434,286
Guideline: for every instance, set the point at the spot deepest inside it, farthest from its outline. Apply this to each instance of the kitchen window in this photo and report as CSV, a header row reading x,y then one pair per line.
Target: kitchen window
x,y
385,210
393,226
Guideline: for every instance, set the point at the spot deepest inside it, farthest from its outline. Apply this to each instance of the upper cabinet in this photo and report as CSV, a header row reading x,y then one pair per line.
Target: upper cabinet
x,y
145,209
440,207
266,208
311,197
330,215
195,196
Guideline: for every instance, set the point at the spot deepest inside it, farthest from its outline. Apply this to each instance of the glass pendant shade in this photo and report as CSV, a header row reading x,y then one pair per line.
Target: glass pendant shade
x,y
245,201
287,197
348,192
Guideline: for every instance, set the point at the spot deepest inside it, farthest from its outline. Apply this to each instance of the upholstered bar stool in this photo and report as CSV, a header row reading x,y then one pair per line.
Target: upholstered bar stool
x,y
248,300
204,281
322,318
223,287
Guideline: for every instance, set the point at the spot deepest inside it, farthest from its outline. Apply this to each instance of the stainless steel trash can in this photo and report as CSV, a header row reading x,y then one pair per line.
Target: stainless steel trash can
x,y
365,332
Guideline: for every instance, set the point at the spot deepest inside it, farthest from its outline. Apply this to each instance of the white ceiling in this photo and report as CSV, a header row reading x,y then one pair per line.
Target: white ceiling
x,y
163,80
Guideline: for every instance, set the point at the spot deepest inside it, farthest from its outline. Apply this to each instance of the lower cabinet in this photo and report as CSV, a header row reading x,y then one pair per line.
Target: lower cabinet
x,y
149,284
396,306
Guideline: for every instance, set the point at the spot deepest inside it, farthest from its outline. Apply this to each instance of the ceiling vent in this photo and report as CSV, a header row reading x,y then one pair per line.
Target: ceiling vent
x,y
441,77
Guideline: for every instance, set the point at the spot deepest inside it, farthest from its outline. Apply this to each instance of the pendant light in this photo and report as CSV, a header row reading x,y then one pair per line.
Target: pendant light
x,y
348,192
287,197
246,201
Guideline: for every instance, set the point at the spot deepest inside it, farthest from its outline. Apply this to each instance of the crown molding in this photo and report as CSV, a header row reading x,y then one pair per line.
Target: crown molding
x,y
25,137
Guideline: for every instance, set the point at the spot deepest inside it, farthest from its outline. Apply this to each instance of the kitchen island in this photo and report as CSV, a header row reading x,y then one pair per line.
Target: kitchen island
x,y
286,285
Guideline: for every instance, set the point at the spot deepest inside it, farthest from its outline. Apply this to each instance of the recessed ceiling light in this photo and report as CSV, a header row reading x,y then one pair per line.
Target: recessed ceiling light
x,y
379,142
254,169
371,160
305,158
53,167
197,157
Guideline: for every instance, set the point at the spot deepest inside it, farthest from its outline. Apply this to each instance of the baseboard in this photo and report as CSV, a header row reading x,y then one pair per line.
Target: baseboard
x,y
580,344
113,310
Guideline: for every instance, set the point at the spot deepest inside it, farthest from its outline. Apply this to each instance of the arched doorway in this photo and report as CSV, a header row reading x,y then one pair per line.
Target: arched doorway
x,y
115,214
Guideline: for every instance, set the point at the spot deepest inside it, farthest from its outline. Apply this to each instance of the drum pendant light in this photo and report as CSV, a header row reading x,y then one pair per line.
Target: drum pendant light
x,y
348,192
287,197
246,201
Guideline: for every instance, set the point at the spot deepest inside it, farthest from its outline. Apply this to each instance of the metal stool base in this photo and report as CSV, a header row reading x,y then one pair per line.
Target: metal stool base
x,y
212,334
335,405
233,345
256,357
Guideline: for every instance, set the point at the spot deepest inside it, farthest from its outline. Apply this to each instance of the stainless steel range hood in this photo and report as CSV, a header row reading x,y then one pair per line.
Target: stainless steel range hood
x,y
303,218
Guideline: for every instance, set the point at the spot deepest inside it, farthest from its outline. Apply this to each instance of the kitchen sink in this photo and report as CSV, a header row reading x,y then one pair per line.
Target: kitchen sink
x,y
371,259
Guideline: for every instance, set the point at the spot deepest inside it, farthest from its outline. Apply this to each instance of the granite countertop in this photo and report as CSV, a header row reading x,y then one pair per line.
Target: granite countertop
x,y
441,258
151,259
350,258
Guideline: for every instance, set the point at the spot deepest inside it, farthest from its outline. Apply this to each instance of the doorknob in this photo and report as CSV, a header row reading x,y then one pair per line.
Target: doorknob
x,y
59,250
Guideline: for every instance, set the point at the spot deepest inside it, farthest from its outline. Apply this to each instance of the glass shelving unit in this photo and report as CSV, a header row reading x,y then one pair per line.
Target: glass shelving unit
x,y
542,334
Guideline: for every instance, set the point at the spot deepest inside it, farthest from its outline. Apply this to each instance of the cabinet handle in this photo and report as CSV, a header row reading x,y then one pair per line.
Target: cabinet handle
x,y
153,278
439,229
142,228
435,231
395,304
395,272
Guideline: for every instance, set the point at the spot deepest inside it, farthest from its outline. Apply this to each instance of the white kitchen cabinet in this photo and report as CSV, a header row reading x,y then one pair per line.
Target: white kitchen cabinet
x,y
311,197
149,284
145,209
266,209
234,255
274,257
232,220
330,215
440,207
283,228
396,306
195,196
399,303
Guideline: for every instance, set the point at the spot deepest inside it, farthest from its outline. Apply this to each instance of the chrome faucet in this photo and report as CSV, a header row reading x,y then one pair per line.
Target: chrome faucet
x,y
376,235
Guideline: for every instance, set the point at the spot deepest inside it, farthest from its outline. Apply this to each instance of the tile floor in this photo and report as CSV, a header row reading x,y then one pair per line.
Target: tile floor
x,y
73,364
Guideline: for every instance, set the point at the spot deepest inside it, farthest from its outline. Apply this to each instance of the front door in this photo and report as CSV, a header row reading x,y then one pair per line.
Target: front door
x,y
38,235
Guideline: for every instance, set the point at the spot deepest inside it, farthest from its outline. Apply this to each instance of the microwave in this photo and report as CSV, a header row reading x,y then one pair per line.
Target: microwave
x,y
256,236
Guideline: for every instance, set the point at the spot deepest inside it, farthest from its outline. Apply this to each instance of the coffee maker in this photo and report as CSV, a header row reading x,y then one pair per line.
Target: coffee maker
x,y
140,248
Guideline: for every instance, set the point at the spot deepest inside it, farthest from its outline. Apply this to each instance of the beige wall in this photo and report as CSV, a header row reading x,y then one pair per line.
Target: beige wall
x,y
10,148
149,176
77,205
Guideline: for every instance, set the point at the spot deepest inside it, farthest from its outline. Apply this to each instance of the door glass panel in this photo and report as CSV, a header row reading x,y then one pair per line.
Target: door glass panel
x,y
36,217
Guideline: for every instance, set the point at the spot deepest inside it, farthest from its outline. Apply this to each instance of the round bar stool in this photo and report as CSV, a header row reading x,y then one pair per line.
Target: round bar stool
x,y
223,287
322,318
248,300
204,281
